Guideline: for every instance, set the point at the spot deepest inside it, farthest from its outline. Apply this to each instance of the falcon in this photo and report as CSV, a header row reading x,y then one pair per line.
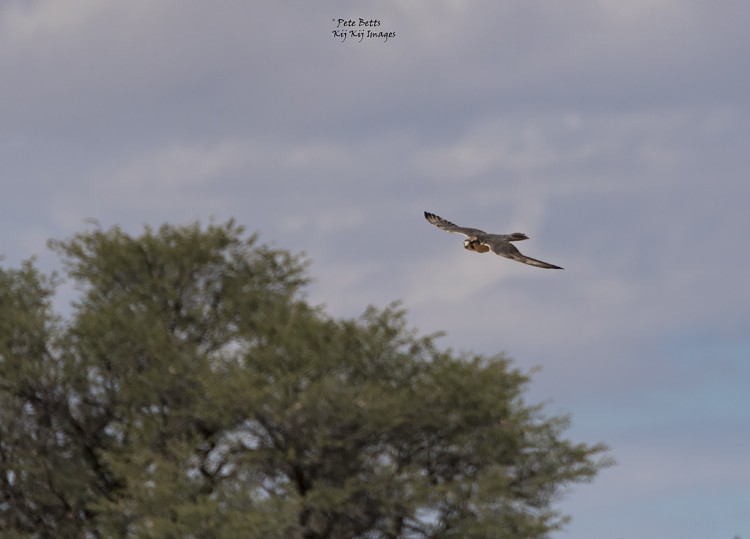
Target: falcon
x,y
481,242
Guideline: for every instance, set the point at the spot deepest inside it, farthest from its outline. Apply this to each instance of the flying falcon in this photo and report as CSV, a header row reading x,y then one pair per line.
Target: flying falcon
x,y
481,242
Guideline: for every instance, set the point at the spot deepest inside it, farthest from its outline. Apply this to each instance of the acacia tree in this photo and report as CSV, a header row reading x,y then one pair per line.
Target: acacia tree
x,y
193,392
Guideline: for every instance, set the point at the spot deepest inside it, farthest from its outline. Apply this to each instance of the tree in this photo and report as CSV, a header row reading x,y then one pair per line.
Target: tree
x,y
193,392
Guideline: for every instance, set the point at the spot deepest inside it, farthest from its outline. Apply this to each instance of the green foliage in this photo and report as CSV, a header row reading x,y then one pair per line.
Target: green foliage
x,y
193,392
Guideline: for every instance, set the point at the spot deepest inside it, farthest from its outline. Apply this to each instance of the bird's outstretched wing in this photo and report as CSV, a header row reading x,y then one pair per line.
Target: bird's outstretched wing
x,y
502,247
442,224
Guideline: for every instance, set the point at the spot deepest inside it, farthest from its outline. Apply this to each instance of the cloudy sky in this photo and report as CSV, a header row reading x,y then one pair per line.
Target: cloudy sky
x,y
614,133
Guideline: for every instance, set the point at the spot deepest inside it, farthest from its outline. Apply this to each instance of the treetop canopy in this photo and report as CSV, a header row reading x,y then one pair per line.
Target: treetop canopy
x,y
193,392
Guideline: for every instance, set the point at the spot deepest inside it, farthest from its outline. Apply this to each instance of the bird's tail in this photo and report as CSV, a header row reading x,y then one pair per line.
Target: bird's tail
x,y
517,236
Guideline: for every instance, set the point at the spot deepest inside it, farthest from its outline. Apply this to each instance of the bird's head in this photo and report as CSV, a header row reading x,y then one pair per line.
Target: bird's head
x,y
471,243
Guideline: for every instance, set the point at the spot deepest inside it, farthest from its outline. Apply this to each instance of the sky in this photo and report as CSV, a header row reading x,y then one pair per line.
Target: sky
x,y
616,134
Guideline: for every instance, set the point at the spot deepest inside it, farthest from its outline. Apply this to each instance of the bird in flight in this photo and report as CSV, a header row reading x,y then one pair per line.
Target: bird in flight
x,y
481,242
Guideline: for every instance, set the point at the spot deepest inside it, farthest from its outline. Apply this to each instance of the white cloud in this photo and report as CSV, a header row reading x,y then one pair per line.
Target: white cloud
x,y
324,221
177,167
